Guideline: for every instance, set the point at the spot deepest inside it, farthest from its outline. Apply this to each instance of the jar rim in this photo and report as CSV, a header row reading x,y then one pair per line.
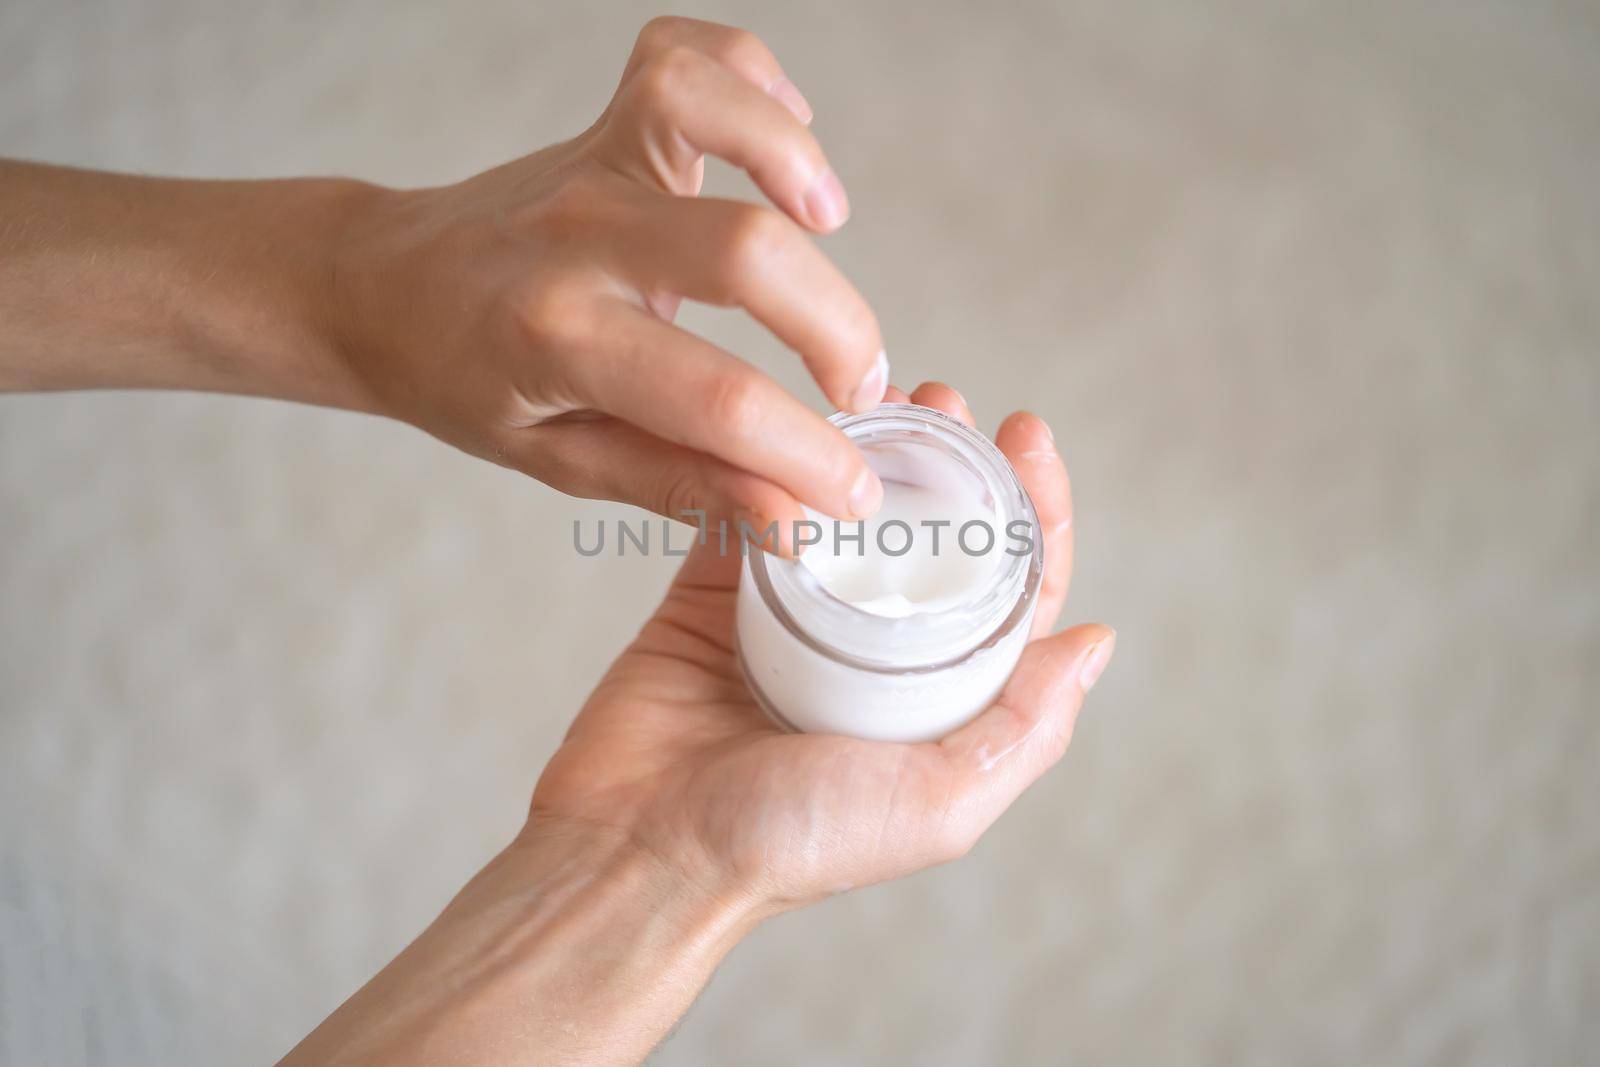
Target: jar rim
x,y
972,626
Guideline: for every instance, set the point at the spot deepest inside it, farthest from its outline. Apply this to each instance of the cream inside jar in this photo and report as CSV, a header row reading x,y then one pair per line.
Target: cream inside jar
x,y
906,626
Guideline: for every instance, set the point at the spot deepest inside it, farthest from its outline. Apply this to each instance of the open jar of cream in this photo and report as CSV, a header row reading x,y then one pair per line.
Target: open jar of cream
x,y
903,627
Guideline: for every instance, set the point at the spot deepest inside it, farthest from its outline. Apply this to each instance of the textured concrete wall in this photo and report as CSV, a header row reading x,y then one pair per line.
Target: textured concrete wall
x,y
1310,295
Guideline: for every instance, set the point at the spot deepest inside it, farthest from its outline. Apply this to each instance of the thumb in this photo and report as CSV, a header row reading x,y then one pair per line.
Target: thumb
x,y
1006,748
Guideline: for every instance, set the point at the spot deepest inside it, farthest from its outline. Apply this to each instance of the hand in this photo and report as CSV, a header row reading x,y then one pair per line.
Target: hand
x,y
673,751
675,816
525,314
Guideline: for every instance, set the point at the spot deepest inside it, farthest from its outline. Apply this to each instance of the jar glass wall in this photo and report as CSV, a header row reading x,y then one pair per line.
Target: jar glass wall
x,y
884,667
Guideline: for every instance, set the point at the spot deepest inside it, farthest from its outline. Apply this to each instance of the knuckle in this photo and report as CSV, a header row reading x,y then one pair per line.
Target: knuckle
x,y
579,204
741,49
755,236
1060,739
669,75
679,490
549,314
659,30
735,405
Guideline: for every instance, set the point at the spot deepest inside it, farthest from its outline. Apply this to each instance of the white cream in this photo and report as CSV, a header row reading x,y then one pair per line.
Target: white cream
x,y
865,639
911,557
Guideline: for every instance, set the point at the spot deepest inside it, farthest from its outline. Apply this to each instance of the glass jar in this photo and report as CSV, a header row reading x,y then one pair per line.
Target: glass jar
x,y
820,663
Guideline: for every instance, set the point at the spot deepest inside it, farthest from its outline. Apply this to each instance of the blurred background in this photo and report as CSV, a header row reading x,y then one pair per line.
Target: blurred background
x,y
1309,294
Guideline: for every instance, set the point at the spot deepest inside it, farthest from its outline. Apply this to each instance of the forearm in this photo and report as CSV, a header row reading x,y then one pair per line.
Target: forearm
x,y
570,947
111,280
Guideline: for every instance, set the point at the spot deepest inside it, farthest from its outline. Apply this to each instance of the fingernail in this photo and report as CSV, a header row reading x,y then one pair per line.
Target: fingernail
x,y
1095,662
869,394
784,91
866,495
825,202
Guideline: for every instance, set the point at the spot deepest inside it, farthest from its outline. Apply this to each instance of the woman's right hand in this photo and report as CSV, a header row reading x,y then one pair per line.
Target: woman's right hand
x,y
525,314
676,816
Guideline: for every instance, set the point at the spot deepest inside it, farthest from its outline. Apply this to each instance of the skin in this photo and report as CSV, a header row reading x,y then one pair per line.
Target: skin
x,y
523,315
675,817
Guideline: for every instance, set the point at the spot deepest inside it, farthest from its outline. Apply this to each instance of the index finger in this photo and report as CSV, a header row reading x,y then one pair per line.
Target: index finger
x,y
740,50
686,390
683,105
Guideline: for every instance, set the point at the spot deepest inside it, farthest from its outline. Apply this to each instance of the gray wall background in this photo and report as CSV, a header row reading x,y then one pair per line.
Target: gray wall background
x,y
1309,294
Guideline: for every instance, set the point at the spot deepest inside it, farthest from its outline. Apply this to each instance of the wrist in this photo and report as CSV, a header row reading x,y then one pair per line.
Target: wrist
x,y
575,938
372,308
613,942
335,235
586,871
